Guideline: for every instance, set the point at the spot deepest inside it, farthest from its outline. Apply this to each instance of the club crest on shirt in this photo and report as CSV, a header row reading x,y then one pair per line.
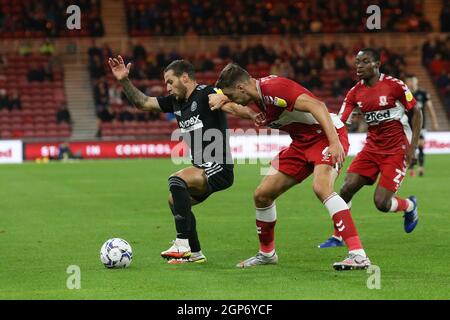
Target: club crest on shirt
x,y
193,106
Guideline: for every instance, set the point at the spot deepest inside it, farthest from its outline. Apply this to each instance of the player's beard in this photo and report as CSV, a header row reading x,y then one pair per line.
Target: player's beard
x,y
182,90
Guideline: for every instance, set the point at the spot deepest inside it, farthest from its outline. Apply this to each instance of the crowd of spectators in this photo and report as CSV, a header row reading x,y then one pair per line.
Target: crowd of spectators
x,y
238,17
47,18
111,103
299,61
445,16
10,101
436,57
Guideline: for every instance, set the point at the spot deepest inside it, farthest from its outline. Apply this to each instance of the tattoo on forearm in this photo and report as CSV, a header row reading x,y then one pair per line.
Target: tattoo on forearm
x,y
134,94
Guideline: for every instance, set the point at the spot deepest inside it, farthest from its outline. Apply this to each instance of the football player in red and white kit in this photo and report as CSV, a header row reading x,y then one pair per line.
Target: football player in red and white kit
x,y
390,143
319,146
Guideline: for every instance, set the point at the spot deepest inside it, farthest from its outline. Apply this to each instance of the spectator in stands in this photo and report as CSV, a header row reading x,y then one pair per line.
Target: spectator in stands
x,y
94,51
47,48
115,93
96,27
105,115
127,114
3,62
63,115
96,67
101,96
314,80
36,73
336,88
65,153
14,101
443,81
25,49
445,17
4,100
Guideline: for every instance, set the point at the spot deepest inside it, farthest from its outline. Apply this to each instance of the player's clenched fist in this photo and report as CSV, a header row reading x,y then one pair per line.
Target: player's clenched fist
x,y
118,68
216,101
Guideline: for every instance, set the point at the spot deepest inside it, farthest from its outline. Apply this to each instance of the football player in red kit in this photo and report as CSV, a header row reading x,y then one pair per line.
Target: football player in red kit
x,y
390,143
319,146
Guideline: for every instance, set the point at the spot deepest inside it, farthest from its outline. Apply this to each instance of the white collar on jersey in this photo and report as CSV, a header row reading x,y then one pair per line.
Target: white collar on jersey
x,y
380,79
258,88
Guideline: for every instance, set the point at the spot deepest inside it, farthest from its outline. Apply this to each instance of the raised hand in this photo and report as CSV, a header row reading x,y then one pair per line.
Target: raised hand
x,y
118,67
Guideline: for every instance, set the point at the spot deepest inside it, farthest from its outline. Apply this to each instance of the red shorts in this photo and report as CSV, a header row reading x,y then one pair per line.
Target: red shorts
x,y
391,166
298,160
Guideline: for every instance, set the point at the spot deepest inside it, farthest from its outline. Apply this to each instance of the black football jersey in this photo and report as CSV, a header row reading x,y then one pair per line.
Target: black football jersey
x,y
422,97
203,130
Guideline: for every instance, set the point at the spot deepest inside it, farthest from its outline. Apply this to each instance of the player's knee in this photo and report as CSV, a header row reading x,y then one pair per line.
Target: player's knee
x,y
176,181
321,190
382,203
261,198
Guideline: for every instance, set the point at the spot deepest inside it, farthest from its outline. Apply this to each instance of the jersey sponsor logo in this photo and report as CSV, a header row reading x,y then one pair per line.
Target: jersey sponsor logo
x,y
191,124
377,116
275,101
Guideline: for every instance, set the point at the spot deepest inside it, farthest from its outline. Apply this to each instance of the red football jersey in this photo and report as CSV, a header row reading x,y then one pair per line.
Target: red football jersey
x,y
278,99
383,107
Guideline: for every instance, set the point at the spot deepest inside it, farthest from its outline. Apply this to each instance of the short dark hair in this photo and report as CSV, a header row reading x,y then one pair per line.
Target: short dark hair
x,y
181,66
373,52
232,74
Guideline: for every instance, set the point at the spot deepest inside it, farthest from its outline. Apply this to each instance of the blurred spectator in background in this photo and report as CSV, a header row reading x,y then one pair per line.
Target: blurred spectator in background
x,y
4,100
127,114
14,101
63,115
36,73
47,48
24,48
445,16
3,62
65,153
115,93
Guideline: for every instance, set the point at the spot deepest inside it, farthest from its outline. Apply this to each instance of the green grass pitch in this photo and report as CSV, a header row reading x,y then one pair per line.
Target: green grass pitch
x,y
59,214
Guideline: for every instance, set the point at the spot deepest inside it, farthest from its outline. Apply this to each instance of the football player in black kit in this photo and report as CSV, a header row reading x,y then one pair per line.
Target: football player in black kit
x,y
424,102
205,133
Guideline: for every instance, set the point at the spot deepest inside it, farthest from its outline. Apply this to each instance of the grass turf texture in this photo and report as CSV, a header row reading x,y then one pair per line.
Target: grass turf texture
x,y
59,214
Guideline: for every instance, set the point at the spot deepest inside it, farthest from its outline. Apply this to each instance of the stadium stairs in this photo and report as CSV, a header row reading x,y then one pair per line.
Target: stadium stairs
x,y
80,102
432,10
426,82
114,18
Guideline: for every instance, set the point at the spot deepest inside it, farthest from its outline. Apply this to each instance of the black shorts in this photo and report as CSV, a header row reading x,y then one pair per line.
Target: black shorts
x,y
219,177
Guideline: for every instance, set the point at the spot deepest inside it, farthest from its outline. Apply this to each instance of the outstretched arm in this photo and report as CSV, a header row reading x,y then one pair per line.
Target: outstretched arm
x,y
136,97
220,101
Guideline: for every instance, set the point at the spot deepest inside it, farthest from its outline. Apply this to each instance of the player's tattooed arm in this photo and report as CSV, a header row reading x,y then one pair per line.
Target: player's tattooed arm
x,y
136,97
